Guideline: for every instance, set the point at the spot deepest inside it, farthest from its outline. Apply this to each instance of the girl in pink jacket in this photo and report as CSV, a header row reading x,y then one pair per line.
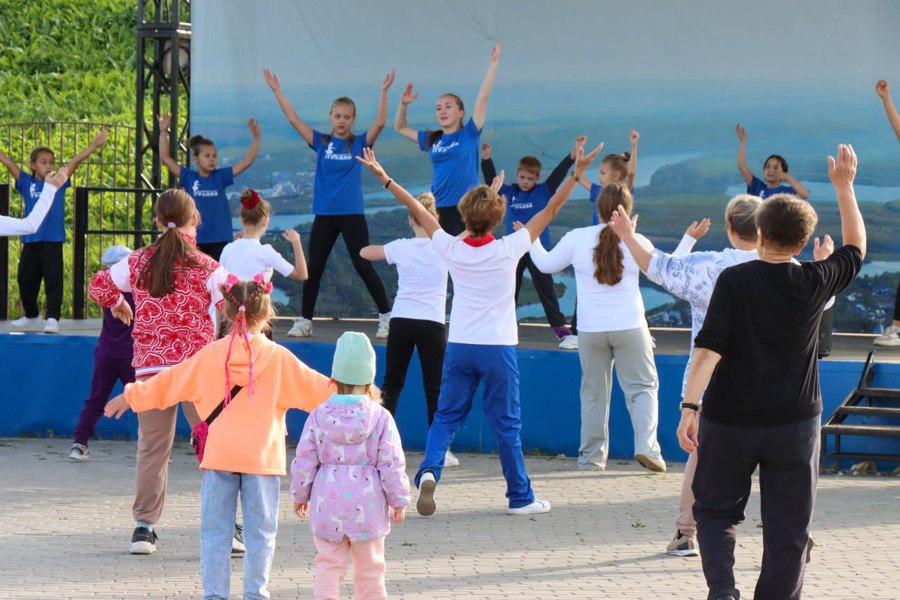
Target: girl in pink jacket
x,y
349,476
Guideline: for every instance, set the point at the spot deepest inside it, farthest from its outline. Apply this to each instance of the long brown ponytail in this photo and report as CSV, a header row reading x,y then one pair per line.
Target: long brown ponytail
x,y
608,265
174,208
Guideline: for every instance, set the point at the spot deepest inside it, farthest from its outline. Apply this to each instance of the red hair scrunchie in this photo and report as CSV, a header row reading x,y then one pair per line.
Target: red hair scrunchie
x,y
251,200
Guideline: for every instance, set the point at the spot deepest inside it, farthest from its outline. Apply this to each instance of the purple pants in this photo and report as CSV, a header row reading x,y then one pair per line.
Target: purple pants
x,y
106,372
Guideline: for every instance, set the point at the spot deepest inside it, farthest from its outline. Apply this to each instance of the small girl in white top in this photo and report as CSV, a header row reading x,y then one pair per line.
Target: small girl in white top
x,y
611,329
418,315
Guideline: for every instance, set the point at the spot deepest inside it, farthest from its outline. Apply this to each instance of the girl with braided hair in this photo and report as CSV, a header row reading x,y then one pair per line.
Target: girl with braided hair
x,y
242,385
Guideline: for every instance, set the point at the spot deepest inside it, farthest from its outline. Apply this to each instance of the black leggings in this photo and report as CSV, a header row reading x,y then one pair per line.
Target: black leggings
x,y
429,338
324,233
41,261
543,283
897,304
451,221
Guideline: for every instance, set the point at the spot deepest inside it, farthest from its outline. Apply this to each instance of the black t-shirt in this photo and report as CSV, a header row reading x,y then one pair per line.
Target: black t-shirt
x,y
763,319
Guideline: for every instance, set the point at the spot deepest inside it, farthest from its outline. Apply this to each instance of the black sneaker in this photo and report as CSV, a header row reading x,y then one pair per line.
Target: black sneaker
x,y
237,542
143,541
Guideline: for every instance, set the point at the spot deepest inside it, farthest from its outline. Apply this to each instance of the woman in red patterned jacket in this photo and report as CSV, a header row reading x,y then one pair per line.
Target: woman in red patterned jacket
x,y
173,285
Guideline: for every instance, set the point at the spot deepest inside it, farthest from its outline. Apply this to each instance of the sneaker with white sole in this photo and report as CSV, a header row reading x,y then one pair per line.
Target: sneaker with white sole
x,y
51,326
651,463
237,541
682,545
143,541
23,322
425,502
384,326
890,337
79,452
302,327
570,342
538,507
450,460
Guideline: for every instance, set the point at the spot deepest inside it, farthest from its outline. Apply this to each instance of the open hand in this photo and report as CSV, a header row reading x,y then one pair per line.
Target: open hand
x,y
823,249
253,124
687,431
583,161
698,229
164,121
388,81
116,407
123,312
291,235
272,80
368,159
398,515
59,178
882,89
101,138
301,509
842,171
621,223
517,225
741,133
498,181
407,97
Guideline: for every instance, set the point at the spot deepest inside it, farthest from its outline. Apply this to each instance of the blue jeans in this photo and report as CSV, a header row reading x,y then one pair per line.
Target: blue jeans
x,y
465,366
259,503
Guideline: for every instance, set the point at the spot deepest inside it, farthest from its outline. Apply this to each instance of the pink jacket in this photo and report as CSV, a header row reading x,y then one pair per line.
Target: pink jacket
x,y
351,469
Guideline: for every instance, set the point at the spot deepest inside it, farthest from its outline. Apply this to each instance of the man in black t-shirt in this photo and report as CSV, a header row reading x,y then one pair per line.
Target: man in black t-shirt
x,y
756,357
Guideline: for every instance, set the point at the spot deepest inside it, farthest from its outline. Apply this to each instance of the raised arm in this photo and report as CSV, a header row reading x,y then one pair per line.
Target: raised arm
x,y
842,172
487,165
884,92
802,192
12,167
419,213
556,177
299,126
742,154
381,117
625,227
99,140
400,123
539,221
373,253
632,162
480,112
244,164
164,157
300,272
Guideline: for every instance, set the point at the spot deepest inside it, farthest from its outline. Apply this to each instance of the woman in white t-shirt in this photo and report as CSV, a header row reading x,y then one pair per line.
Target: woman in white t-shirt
x,y
612,330
418,315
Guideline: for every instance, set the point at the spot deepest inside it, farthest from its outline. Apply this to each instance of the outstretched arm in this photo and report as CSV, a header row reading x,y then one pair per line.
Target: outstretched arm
x,y
164,157
802,192
742,154
419,213
842,172
480,111
244,164
488,170
12,167
562,169
99,140
299,126
400,123
30,223
632,162
375,252
884,92
381,118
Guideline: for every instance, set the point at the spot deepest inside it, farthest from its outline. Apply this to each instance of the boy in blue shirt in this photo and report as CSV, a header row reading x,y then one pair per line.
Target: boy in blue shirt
x,y
524,199
41,257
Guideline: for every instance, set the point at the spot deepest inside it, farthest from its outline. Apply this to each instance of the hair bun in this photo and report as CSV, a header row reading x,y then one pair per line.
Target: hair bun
x,y
249,199
626,156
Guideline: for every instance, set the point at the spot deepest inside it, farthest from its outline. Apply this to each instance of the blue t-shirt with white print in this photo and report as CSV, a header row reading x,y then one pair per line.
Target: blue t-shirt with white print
x,y
212,202
758,187
53,229
454,162
594,196
337,189
521,206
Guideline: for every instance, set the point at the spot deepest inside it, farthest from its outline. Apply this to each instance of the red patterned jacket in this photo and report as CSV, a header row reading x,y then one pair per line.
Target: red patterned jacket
x,y
170,329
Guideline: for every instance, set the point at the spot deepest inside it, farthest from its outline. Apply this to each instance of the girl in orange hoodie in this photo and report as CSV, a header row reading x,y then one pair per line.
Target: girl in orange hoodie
x,y
245,451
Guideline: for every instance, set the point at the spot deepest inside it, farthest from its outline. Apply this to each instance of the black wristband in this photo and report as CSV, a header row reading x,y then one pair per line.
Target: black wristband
x,y
693,407
388,183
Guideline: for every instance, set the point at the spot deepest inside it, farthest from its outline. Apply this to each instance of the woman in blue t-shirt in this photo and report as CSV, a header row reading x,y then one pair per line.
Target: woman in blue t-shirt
x,y
775,172
454,148
207,184
337,198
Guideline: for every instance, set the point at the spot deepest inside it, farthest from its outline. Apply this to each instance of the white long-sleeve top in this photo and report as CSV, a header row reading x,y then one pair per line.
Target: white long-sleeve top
x,y
29,224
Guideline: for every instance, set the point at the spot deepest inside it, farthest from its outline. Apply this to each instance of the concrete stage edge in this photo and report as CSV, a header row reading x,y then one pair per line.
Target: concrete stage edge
x,y
48,377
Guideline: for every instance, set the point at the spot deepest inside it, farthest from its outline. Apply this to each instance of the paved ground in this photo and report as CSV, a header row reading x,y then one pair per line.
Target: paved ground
x,y
66,529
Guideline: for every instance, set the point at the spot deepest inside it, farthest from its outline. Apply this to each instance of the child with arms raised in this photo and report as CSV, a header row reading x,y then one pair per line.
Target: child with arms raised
x,y
775,172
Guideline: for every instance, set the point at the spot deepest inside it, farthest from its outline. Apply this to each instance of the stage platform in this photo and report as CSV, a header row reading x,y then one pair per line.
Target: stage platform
x,y
49,377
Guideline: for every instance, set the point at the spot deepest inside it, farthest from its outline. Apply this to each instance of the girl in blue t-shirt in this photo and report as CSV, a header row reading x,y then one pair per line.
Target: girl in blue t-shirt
x,y
614,168
207,184
454,148
337,198
775,172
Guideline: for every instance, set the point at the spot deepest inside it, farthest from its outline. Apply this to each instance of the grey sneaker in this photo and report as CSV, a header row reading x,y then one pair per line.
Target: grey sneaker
x,y
79,452
302,328
384,326
237,541
890,337
682,545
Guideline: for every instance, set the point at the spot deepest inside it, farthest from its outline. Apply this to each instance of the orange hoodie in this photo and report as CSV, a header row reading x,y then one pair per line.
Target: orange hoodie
x,y
248,435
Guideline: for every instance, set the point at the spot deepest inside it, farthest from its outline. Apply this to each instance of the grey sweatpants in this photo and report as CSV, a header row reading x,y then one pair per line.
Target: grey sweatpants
x,y
631,351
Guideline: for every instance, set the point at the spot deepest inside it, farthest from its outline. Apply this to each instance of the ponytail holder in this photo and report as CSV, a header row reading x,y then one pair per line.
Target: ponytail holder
x,y
230,282
251,200
171,225
260,281
242,308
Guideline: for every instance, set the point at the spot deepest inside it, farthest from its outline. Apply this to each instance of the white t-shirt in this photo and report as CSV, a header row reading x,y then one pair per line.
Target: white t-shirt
x,y
244,258
600,307
484,286
422,286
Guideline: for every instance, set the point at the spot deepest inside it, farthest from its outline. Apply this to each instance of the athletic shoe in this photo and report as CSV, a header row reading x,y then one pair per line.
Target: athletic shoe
x,y
79,452
570,342
450,460
302,328
23,322
425,502
52,326
384,326
682,545
651,463
890,337
237,542
143,541
538,507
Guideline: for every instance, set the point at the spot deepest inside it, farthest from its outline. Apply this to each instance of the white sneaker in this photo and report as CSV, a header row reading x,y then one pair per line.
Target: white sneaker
x,y
538,507
23,322
570,342
651,463
425,502
302,328
52,326
384,326
79,452
890,337
450,460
